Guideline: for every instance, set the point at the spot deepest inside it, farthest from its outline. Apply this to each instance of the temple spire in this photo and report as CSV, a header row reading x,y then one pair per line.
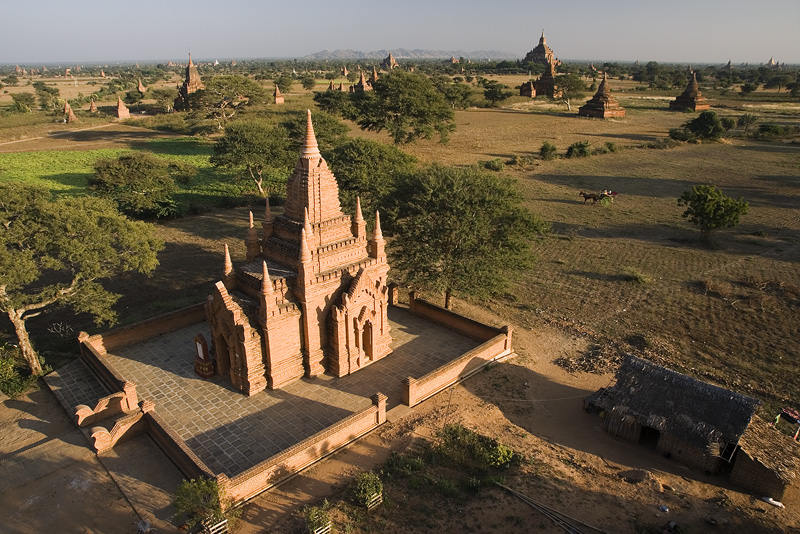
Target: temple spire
x,y
253,247
266,282
359,215
267,212
228,267
305,252
310,147
190,60
377,234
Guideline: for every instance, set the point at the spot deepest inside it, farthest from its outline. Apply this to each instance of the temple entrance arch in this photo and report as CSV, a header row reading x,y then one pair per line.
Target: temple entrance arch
x,y
223,355
367,341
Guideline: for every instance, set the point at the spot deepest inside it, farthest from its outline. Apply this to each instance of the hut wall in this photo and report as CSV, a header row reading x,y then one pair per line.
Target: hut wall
x,y
754,476
619,423
691,456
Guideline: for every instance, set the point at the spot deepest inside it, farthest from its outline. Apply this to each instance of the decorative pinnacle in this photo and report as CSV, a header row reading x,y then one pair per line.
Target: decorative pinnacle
x,y
307,225
267,213
310,147
228,269
359,216
377,235
251,220
190,60
305,253
266,283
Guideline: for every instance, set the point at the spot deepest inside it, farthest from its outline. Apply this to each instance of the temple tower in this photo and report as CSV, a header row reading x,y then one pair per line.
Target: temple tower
x,y
690,98
191,84
311,296
602,104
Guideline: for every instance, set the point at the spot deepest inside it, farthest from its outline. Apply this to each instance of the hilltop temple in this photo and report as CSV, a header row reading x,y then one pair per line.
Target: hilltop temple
x,y
602,105
311,296
542,54
191,84
690,98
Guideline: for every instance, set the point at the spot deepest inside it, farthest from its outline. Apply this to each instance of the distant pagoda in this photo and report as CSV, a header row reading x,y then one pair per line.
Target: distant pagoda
x,y
122,110
389,63
70,115
191,84
278,96
602,105
690,98
542,54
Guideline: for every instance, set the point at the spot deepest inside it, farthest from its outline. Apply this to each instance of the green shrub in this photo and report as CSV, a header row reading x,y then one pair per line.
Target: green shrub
x,y
579,149
199,501
367,486
681,134
632,275
548,151
317,517
466,448
494,164
15,377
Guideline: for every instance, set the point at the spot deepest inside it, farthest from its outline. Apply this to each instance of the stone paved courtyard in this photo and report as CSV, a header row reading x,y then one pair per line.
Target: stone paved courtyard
x,y
231,432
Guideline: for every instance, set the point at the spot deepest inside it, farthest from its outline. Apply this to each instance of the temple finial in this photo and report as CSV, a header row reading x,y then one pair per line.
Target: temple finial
x,y
305,252
267,212
266,283
359,215
377,234
228,268
310,147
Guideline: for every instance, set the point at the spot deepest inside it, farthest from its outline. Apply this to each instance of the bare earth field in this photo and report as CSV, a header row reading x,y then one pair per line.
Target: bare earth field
x,y
628,277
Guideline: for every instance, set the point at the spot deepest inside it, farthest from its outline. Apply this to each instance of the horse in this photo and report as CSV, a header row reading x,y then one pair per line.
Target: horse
x,y
589,196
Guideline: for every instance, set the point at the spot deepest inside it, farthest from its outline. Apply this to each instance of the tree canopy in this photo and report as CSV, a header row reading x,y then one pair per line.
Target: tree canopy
x,y
406,105
710,209
570,86
258,149
140,184
224,96
461,230
370,170
495,92
54,252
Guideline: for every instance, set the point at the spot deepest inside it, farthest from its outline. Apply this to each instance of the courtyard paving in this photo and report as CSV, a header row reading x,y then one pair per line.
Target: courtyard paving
x,y
231,432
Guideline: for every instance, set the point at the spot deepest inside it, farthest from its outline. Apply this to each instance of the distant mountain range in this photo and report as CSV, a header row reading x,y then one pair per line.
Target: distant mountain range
x,y
404,53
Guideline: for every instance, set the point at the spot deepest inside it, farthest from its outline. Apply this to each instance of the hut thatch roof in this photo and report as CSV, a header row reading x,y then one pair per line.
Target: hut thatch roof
x,y
695,412
773,449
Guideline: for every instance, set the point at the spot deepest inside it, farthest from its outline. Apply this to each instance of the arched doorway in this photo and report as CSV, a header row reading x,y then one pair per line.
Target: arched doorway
x,y
223,356
366,340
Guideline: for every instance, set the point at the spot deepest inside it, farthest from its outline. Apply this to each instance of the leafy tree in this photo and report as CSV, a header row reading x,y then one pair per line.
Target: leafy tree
x,y
53,252
779,81
224,96
461,230
570,86
748,88
746,121
329,130
408,106
140,184
11,79
369,170
708,126
710,209
284,83
164,97
794,88
336,102
308,82
47,95
201,500
258,149
352,76
23,102
133,97
494,92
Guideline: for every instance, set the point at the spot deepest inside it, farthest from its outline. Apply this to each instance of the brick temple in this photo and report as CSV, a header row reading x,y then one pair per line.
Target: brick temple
x,y
602,105
191,84
542,54
690,98
311,296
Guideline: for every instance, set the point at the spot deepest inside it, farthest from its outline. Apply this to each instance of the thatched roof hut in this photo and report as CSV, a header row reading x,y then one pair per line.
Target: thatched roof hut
x,y
768,462
693,420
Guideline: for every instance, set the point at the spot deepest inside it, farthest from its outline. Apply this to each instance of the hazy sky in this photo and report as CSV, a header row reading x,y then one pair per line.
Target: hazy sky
x,y
684,31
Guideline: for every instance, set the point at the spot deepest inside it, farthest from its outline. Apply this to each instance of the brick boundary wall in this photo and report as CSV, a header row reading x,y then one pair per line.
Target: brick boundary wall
x,y
444,317
150,328
92,354
416,390
288,463
175,448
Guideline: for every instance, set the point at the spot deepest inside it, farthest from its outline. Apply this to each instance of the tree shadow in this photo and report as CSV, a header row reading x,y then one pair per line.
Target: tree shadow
x,y
624,185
